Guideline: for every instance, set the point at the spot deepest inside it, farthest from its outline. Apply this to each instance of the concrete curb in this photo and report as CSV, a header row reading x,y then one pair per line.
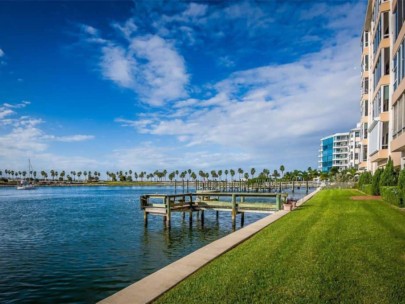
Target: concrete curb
x,y
154,285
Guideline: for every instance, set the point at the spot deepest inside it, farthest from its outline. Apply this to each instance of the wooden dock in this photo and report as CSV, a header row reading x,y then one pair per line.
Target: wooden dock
x,y
235,203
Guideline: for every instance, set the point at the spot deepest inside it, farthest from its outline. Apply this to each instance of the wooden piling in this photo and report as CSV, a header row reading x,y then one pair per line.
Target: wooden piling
x,y
234,211
145,218
168,212
242,219
278,202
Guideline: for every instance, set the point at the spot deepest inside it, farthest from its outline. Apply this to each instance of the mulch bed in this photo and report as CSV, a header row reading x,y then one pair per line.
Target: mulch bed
x,y
366,198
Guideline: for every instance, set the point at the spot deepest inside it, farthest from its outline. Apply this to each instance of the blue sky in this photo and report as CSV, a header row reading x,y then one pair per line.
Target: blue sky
x,y
171,85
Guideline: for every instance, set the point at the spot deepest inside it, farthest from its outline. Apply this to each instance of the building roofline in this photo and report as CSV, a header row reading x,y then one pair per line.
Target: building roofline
x,y
336,134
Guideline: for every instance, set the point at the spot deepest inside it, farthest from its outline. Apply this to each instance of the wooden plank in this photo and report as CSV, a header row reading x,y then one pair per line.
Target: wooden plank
x,y
215,203
240,194
258,205
155,210
256,211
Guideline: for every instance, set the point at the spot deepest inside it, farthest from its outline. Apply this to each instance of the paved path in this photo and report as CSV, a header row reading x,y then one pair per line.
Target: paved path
x,y
154,285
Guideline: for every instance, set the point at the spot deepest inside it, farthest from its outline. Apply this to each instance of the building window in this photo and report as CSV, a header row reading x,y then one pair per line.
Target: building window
x,y
382,66
399,116
386,98
384,137
381,101
398,65
377,72
365,86
365,108
365,130
382,30
365,63
399,17
364,158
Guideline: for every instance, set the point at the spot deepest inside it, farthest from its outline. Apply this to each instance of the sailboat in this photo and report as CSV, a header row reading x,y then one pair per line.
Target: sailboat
x,y
26,184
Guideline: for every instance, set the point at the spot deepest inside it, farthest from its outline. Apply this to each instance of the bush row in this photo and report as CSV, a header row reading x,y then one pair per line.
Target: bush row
x,y
393,195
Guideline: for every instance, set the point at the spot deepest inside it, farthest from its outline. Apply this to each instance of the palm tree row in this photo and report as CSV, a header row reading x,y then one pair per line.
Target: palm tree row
x,y
164,175
51,175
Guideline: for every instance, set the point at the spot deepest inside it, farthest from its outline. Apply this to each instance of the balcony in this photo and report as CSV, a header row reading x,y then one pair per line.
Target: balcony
x,y
379,156
398,144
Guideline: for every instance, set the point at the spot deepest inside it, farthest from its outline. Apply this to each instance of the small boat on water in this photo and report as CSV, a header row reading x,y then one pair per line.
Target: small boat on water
x,y
27,184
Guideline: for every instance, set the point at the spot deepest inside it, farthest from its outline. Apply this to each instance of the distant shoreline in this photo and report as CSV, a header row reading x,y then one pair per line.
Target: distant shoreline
x,y
94,185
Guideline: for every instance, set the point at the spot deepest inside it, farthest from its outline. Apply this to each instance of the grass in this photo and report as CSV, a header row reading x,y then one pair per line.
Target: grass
x,y
331,250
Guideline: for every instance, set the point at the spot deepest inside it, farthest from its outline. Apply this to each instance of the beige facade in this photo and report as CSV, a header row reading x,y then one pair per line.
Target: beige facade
x,y
382,98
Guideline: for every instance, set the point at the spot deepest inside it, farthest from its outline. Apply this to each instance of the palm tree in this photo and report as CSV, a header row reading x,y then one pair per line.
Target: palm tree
x,y
232,172
282,170
253,171
226,174
240,171
276,174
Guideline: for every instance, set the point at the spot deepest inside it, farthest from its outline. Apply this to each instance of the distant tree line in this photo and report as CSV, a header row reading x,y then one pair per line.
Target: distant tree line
x,y
163,175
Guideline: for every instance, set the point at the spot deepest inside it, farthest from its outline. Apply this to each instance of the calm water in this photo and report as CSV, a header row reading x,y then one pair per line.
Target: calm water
x,y
82,244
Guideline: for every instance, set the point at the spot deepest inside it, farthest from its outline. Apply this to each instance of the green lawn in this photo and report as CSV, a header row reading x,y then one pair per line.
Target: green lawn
x,y
331,250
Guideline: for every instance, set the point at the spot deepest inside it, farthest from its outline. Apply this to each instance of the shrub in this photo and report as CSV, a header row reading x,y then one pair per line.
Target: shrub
x,y
392,195
367,189
364,179
375,184
389,176
401,180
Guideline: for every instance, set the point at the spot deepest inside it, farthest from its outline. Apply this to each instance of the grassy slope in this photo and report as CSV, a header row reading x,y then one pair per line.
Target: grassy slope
x,y
332,250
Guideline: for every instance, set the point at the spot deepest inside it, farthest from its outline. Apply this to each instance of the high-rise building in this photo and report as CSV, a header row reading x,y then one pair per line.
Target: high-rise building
x,y
382,89
334,152
354,147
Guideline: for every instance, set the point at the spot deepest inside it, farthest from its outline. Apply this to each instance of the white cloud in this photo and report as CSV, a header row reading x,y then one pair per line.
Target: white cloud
x,y
23,104
127,29
117,66
5,112
22,137
270,108
150,66
148,156
88,29
1,53
195,10
71,138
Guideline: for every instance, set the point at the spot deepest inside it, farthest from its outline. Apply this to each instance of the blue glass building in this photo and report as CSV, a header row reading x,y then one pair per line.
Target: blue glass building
x,y
334,152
